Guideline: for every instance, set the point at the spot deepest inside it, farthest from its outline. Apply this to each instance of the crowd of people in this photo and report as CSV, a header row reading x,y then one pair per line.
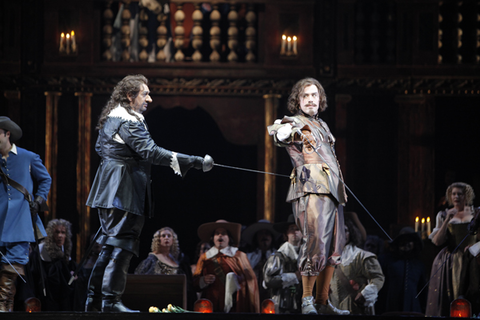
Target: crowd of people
x,y
318,261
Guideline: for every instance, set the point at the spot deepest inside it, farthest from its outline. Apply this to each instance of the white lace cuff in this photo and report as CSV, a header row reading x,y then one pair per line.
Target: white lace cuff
x,y
174,164
370,293
202,283
475,249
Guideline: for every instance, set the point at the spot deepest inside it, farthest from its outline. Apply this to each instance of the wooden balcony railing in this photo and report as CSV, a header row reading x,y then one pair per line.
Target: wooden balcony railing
x,y
198,31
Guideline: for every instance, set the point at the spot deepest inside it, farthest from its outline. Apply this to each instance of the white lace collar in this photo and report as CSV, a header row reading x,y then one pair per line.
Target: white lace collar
x,y
289,250
228,251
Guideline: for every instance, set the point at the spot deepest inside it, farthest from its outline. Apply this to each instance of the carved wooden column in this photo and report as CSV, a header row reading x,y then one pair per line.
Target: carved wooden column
x,y
341,101
179,32
83,169
232,33
143,35
416,158
215,33
107,31
125,30
271,106
250,33
197,32
161,36
51,149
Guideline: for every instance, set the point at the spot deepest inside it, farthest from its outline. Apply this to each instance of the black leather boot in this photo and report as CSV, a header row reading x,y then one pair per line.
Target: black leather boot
x,y
114,281
94,295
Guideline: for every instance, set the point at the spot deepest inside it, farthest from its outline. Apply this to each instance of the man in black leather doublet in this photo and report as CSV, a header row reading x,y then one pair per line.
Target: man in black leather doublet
x,y
121,189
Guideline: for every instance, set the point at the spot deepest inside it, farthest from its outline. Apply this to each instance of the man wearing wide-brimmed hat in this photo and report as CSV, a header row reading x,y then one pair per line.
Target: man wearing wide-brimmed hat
x,y
405,274
223,274
16,227
281,274
261,237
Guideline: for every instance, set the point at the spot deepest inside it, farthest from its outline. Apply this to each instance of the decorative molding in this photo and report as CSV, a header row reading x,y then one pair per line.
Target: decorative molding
x,y
250,87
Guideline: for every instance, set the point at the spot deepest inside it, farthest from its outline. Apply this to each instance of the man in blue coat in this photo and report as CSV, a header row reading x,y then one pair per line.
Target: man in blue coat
x,y
16,229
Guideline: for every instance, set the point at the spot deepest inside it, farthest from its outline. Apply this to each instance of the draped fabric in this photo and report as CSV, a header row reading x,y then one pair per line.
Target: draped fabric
x,y
246,299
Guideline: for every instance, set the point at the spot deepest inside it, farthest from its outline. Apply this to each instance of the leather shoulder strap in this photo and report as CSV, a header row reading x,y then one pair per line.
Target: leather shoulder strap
x,y
16,185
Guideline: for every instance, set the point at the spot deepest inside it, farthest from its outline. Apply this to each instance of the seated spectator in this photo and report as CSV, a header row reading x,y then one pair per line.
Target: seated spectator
x,y
356,221
358,278
166,258
374,244
281,273
405,274
223,273
261,237
55,253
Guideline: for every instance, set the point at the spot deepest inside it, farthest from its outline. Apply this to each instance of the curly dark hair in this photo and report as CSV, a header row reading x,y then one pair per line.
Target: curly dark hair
x,y
355,235
53,250
231,241
128,87
467,191
297,90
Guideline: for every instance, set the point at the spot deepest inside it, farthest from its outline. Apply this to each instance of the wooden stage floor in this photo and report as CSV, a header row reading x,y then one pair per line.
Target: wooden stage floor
x,y
187,316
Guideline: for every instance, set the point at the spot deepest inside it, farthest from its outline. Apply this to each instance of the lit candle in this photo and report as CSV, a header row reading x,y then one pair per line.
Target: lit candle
x,y
284,42
429,226
423,225
62,43
74,43
295,45
68,43
289,45
416,223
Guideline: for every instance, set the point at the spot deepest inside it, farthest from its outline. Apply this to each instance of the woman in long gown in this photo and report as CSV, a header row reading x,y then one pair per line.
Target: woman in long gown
x,y
455,272
166,258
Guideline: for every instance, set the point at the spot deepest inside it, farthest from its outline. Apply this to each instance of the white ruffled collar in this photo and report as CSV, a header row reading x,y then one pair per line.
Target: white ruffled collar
x,y
228,251
349,254
289,250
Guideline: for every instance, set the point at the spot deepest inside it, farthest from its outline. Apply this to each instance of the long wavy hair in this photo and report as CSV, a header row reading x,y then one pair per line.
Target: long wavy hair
x,y
467,191
53,250
294,99
174,249
355,235
128,87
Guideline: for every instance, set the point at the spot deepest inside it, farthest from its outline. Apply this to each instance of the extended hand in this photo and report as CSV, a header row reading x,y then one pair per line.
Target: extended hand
x,y
284,132
209,279
206,164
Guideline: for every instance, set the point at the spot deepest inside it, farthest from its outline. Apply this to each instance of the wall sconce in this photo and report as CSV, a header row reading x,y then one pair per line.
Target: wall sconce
x,y
425,228
289,46
68,43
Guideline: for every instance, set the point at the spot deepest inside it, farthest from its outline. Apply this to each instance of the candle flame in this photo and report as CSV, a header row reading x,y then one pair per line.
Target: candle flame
x,y
416,219
428,219
68,36
423,220
284,37
289,39
73,33
62,35
294,38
